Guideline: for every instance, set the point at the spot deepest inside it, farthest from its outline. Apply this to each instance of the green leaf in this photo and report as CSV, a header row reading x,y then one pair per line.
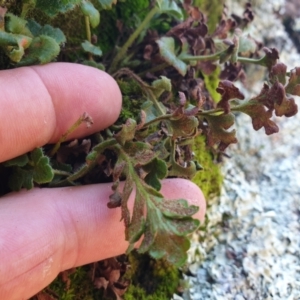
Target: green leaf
x,y
161,85
157,169
179,171
127,132
91,12
53,7
246,44
14,45
183,125
55,33
27,169
107,4
163,223
43,49
90,48
16,25
19,161
167,51
8,39
170,7
166,229
140,153
42,171
19,179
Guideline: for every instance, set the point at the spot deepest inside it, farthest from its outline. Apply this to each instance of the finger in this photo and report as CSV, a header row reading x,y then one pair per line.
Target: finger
x,y
40,103
45,231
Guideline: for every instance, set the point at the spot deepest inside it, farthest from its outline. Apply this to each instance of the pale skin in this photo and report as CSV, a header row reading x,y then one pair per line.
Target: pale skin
x,y
46,231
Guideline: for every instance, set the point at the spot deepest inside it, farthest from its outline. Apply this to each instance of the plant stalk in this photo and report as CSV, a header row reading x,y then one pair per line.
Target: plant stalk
x,y
122,52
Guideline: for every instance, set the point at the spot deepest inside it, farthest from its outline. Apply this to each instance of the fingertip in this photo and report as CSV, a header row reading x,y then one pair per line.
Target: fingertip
x,y
76,89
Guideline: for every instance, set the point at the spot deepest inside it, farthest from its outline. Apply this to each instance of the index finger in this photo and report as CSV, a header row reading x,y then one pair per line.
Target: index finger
x,y
40,103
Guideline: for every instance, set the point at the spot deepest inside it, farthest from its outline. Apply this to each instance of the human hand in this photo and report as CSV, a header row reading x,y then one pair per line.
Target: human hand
x,y
45,231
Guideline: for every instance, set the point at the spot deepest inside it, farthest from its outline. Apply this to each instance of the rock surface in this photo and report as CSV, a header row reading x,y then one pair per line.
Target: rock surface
x,y
251,249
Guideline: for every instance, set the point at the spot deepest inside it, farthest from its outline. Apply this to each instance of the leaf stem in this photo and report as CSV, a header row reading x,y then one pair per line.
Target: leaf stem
x,y
60,172
248,60
83,118
187,57
87,28
88,34
122,52
158,119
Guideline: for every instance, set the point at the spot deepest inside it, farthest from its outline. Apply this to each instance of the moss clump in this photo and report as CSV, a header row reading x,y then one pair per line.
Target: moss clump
x,y
210,178
151,279
132,99
78,287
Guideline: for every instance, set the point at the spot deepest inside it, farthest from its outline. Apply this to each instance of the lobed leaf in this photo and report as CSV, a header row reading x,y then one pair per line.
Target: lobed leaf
x,y
261,116
91,12
27,169
218,130
167,51
17,25
127,132
293,86
42,50
90,48
36,29
157,169
228,92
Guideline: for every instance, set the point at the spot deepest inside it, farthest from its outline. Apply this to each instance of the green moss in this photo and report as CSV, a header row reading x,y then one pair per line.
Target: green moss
x,y
132,99
151,279
130,12
212,82
81,286
210,178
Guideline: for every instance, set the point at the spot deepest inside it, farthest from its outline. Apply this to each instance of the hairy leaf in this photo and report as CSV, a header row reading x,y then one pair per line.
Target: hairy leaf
x,y
164,226
218,130
157,170
53,7
91,12
14,45
127,132
183,125
19,161
16,25
90,48
42,50
161,85
55,33
188,171
28,169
